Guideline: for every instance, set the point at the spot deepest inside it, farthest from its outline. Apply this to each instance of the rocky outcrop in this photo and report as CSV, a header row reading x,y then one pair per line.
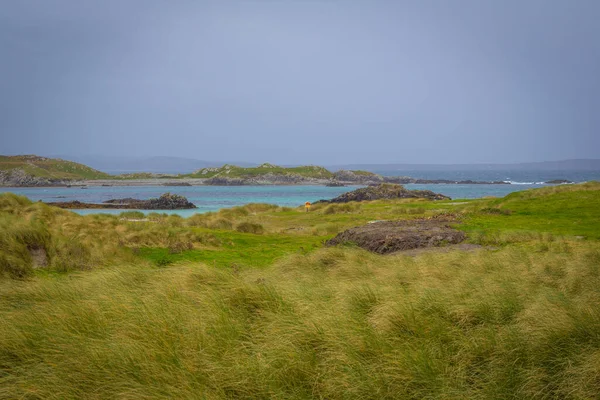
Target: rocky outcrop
x,y
391,236
265,179
558,182
166,201
18,177
177,184
334,184
385,191
340,178
357,177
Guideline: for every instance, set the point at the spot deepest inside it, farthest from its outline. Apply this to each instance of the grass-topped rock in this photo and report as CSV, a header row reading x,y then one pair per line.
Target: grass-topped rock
x,y
385,191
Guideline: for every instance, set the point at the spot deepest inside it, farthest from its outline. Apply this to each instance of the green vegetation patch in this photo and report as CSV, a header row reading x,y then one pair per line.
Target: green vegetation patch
x,y
233,171
238,249
208,307
51,168
572,210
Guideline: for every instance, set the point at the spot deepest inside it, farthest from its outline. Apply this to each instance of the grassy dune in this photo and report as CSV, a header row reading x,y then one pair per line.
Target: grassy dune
x,y
246,303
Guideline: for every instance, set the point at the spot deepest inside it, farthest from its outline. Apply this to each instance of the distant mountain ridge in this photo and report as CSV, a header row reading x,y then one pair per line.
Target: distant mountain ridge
x,y
562,165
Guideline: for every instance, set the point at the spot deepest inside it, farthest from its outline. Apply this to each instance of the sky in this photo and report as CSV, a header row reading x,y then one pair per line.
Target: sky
x,y
294,82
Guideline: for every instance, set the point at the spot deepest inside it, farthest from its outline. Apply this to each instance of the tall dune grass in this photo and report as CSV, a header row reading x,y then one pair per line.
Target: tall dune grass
x,y
335,324
516,320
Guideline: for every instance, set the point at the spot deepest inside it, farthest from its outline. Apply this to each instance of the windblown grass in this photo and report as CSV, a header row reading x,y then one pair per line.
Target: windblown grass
x,y
336,323
213,306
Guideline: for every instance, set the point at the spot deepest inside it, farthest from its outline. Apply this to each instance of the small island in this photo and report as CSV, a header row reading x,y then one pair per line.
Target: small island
x,y
167,201
387,191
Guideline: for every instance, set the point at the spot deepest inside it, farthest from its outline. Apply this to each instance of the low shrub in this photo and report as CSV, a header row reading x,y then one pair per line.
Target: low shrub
x,y
9,202
175,220
157,217
220,223
234,212
250,227
132,215
260,207
199,220
341,208
18,239
69,254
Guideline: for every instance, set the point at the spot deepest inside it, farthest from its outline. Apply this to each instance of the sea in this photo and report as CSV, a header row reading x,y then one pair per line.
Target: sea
x,y
213,198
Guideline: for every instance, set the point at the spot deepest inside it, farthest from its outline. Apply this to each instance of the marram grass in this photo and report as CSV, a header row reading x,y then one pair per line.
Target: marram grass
x,y
336,323
246,303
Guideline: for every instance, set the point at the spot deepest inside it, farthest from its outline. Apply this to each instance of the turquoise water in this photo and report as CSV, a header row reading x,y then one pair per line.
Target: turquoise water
x,y
206,198
516,176
213,198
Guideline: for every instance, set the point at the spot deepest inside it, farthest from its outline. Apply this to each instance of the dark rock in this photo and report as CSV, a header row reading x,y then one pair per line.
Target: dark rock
x,y
558,181
391,236
357,177
334,184
177,184
385,191
220,181
167,201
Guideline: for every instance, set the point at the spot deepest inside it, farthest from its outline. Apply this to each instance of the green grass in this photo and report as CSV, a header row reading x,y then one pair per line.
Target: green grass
x,y
240,250
363,173
331,324
572,210
233,171
203,308
51,168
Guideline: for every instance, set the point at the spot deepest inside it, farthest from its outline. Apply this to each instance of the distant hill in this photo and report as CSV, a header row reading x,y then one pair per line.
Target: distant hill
x,y
234,171
564,165
157,164
35,170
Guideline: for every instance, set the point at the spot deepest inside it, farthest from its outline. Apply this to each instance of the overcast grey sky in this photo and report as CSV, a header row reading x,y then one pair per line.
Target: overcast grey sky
x,y
302,81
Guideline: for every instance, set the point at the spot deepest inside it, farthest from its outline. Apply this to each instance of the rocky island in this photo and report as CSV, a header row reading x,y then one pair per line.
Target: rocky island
x,y
166,201
385,191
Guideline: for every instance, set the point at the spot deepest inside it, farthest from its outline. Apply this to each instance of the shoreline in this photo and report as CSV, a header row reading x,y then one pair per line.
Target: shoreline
x,y
170,183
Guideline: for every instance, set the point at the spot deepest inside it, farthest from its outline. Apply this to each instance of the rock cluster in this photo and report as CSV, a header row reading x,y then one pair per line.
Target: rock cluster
x,y
166,201
353,177
385,191
391,236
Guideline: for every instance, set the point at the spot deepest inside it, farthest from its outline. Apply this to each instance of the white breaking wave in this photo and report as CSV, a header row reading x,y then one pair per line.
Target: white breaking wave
x,y
525,183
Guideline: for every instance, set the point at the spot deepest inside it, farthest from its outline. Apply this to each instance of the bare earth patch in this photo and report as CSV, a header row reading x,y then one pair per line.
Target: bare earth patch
x,y
39,257
390,236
